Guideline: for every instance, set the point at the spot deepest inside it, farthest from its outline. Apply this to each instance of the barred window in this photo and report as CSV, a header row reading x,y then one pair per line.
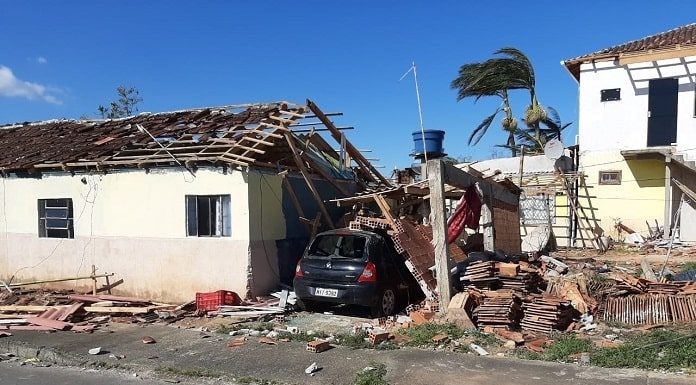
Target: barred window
x,y
56,218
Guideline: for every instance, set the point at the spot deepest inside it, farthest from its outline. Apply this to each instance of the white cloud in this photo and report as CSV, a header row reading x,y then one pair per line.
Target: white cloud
x,y
11,86
41,60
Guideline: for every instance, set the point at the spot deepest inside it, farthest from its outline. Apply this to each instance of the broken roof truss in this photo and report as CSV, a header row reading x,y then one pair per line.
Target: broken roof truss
x,y
254,135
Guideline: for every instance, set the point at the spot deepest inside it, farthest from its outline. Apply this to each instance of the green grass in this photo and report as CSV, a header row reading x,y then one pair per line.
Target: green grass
x,y
372,377
255,381
226,329
566,346
304,337
194,373
658,349
353,341
687,267
422,335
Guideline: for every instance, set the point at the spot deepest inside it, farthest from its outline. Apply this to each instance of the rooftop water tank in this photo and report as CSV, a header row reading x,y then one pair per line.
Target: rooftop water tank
x,y
432,146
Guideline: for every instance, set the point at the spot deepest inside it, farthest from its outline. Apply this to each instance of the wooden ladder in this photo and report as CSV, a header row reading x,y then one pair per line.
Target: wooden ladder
x,y
588,224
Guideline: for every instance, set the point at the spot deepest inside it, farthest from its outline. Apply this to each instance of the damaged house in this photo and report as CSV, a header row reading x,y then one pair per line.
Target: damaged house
x,y
637,130
174,203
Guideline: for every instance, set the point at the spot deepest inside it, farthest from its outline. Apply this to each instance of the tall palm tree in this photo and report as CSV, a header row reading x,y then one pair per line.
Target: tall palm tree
x,y
496,77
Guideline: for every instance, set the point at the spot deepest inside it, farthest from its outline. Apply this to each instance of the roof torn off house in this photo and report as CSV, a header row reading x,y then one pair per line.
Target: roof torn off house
x,y
175,203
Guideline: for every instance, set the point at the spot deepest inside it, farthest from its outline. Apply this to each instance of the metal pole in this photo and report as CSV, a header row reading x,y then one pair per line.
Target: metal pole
x,y
420,117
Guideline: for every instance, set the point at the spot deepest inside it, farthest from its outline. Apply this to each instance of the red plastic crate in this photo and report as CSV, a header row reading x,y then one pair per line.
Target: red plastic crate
x,y
211,301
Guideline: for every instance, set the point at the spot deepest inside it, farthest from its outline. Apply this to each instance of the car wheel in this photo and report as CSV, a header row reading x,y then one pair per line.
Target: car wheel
x,y
386,303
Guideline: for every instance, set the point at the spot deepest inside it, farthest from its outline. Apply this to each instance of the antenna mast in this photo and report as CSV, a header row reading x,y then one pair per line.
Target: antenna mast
x,y
420,112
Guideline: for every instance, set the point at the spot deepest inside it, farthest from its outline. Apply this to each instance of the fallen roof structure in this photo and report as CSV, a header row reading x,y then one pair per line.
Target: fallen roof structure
x,y
249,135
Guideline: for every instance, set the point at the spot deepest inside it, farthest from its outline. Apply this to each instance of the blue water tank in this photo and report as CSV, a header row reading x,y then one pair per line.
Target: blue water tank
x,y
433,143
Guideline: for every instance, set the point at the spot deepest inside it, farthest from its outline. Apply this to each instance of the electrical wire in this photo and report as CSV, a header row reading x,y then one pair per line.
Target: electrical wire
x,y
30,267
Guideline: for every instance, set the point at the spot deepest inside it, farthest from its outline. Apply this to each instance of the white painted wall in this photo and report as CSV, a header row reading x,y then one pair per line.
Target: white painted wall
x,y
133,223
623,124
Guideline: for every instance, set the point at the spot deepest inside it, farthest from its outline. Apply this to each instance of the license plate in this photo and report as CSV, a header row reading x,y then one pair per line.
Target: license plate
x,y
319,292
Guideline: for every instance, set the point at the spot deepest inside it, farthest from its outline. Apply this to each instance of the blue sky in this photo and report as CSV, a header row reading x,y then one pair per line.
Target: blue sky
x,y
62,59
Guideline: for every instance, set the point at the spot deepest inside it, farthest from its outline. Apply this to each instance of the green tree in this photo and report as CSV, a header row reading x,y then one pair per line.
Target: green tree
x,y
509,70
125,105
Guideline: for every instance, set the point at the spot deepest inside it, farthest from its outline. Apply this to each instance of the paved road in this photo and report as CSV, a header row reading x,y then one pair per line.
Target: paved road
x,y
13,374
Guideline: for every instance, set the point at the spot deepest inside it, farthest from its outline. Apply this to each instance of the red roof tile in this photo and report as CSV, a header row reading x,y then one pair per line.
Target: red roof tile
x,y
680,36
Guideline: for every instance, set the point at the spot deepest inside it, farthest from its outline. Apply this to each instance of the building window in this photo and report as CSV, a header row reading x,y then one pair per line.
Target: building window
x,y
611,94
56,218
208,216
610,177
538,210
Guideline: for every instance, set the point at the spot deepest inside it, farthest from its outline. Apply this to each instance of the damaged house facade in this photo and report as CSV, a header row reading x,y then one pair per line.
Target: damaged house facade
x,y
637,130
174,203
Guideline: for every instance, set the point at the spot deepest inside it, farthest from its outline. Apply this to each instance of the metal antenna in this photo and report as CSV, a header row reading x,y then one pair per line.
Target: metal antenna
x,y
420,111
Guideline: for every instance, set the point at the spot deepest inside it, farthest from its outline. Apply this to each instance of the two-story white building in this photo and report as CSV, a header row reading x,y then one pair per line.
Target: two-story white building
x,y
637,129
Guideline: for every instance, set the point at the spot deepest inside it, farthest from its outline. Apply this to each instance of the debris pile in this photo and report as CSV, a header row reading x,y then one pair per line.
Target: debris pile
x,y
68,311
638,301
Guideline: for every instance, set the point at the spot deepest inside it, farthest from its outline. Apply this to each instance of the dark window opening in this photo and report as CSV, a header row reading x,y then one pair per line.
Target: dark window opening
x,y
56,218
338,246
208,216
611,94
610,177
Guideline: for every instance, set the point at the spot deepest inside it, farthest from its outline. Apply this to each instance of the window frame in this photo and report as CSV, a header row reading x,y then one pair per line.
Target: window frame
x,y
609,183
219,217
45,229
607,91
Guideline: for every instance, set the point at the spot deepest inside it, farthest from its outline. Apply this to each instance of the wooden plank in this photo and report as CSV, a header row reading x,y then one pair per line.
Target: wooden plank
x,y
119,309
439,224
386,210
655,55
308,180
53,324
27,308
458,178
363,163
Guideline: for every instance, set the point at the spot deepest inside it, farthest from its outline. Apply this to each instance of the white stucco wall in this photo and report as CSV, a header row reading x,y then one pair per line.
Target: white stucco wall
x,y
623,124
132,223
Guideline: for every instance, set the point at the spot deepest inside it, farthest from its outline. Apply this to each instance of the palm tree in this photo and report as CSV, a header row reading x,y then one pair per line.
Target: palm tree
x,y
535,138
496,77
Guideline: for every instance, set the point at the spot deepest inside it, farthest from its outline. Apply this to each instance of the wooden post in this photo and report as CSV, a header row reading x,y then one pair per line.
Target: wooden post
x,y
94,280
521,166
669,196
439,225
308,179
487,217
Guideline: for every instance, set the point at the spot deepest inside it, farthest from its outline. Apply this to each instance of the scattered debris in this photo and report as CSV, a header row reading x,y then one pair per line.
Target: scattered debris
x,y
148,340
318,346
479,350
311,369
95,351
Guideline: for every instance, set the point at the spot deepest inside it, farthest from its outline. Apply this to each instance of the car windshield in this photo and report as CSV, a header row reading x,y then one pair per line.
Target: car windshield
x,y
338,246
